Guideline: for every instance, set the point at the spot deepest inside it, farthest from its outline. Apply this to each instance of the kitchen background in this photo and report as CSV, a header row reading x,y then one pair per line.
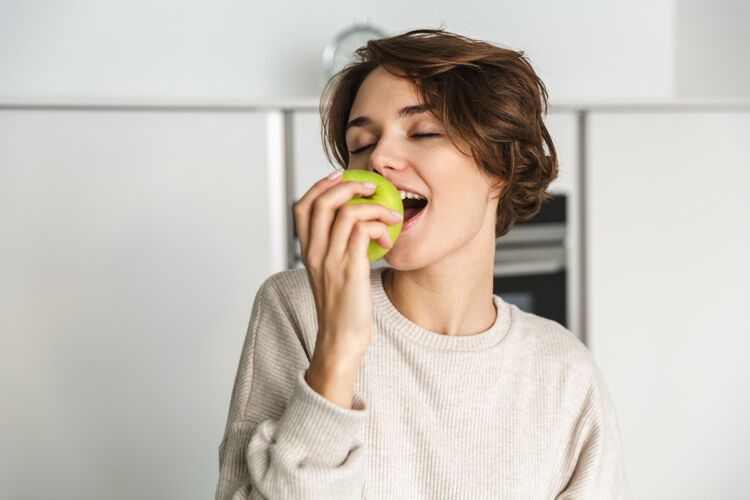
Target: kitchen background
x,y
149,153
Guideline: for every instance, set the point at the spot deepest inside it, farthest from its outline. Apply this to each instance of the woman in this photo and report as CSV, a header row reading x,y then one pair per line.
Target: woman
x,y
414,380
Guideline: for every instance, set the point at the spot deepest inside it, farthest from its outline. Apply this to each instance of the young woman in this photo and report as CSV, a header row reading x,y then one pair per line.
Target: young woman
x,y
413,380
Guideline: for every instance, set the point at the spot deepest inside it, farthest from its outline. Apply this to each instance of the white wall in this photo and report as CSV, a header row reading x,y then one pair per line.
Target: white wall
x,y
582,49
712,43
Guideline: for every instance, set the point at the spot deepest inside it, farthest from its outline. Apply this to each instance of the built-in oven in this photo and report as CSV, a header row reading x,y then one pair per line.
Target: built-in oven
x,y
531,262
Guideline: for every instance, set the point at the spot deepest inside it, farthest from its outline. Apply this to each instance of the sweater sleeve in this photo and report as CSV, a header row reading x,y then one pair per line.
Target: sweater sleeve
x,y
283,439
595,453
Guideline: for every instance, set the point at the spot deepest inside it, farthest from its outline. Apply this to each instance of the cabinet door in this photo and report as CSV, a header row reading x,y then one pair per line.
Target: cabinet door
x,y
668,237
132,246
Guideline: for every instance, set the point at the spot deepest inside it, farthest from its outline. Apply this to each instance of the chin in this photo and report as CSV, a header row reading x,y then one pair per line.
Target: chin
x,y
401,262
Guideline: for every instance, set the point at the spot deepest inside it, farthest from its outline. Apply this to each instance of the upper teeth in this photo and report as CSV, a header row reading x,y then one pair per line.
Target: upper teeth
x,y
407,194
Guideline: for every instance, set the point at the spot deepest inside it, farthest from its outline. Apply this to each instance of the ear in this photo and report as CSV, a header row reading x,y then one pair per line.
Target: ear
x,y
497,188
497,184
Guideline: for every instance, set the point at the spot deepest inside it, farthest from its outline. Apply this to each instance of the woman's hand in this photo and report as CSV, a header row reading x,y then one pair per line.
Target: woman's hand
x,y
334,252
333,248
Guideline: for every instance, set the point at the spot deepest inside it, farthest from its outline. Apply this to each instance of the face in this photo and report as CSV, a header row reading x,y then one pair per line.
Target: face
x,y
412,150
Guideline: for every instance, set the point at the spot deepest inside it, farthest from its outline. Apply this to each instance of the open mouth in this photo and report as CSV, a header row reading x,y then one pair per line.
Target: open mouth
x,y
412,207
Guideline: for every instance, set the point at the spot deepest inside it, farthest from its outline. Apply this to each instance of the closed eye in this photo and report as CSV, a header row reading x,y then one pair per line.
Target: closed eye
x,y
371,145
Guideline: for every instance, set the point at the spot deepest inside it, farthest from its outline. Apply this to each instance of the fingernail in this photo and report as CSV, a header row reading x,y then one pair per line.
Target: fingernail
x,y
368,185
397,214
335,175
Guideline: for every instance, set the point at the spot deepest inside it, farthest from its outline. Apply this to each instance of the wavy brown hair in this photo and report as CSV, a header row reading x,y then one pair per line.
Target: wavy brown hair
x,y
488,97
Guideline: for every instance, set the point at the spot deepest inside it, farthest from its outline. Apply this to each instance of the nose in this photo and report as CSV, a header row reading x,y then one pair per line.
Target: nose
x,y
387,155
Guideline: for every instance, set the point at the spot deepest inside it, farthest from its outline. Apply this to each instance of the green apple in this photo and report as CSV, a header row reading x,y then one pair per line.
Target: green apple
x,y
385,194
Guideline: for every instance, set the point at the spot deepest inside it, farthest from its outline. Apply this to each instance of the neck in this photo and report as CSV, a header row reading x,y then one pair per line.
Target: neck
x,y
447,312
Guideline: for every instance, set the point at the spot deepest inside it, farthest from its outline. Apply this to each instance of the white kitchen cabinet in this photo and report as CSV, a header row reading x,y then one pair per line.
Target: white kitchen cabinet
x,y
131,246
133,243
668,232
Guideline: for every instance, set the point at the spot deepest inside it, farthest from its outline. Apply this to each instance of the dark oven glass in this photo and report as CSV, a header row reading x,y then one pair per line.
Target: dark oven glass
x,y
541,294
531,263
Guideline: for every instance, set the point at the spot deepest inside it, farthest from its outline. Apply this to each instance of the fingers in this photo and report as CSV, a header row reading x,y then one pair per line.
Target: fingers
x,y
324,212
303,209
362,233
354,227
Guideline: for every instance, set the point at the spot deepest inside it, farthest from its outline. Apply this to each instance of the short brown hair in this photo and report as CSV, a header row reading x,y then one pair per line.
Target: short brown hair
x,y
485,95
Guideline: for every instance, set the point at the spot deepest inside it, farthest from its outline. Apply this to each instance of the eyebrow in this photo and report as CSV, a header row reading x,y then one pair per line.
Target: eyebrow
x,y
361,121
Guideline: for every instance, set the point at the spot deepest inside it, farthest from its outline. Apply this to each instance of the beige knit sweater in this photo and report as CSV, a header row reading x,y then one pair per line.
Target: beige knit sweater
x,y
519,411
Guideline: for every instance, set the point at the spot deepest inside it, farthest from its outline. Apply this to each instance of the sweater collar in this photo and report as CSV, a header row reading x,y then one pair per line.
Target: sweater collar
x,y
391,316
